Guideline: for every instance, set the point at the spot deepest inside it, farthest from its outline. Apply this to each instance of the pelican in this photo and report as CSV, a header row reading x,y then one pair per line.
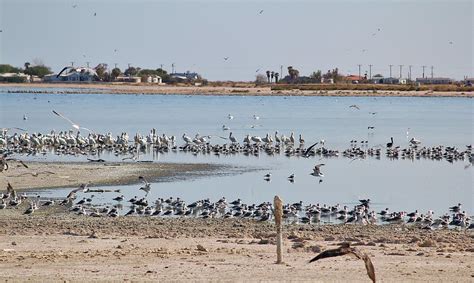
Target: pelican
x,y
232,138
146,187
255,117
225,128
267,139
277,138
230,117
256,139
390,144
247,139
187,139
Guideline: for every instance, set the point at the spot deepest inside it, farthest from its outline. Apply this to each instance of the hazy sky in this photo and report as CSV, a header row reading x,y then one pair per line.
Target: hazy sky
x,y
197,35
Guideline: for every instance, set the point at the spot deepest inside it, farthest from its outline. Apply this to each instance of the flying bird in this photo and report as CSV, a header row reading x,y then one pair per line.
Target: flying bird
x,y
261,12
256,71
76,126
308,150
345,249
226,58
146,187
82,187
450,42
74,6
95,14
354,106
317,170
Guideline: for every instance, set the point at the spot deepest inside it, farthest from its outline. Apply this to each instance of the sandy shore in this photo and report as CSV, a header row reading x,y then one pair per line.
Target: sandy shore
x,y
238,89
72,174
73,248
56,245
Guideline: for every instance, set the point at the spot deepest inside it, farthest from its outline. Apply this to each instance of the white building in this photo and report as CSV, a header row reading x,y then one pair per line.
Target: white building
x,y
14,77
395,81
128,79
434,81
185,76
154,80
72,75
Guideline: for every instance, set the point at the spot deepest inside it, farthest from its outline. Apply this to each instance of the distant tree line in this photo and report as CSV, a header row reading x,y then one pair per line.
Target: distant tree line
x,y
294,77
37,70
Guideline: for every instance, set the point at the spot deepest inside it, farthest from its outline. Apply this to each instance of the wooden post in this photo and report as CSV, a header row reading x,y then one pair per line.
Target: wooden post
x,y
278,211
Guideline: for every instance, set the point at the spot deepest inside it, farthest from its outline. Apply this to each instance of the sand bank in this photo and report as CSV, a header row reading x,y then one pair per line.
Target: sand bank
x,y
74,248
71,174
239,90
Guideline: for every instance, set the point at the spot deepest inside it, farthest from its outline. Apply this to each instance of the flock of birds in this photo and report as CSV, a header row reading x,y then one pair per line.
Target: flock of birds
x,y
205,208
94,144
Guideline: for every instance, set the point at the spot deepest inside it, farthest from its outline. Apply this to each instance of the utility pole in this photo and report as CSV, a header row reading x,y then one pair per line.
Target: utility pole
x,y
409,72
390,70
87,64
401,66
370,71
432,71
161,66
72,63
172,68
423,71
281,71
359,69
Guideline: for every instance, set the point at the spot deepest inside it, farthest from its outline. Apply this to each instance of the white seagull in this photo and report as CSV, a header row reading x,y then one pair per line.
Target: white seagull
x,y
74,125
146,187
317,170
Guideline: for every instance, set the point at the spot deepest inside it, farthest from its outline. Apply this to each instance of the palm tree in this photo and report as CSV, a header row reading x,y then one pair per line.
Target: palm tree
x,y
268,76
276,77
293,73
27,65
272,75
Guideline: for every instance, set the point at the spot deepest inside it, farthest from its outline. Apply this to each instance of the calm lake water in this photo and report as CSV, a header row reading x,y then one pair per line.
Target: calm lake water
x,y
397,184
